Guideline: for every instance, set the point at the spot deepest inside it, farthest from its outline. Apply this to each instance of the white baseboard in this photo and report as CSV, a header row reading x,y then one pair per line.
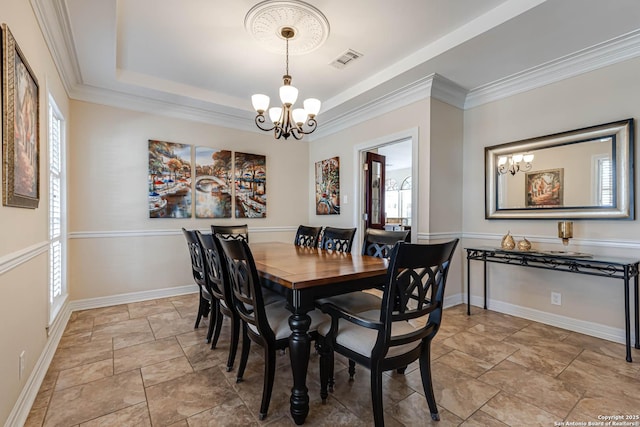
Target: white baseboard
x,y
581,326
20,411
107,301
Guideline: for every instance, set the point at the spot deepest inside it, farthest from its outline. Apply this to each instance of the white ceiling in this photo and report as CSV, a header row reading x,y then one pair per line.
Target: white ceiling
x,y
194,57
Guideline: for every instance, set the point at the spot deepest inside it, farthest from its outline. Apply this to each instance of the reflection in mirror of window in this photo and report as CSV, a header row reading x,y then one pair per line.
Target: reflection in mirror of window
x,y
605,182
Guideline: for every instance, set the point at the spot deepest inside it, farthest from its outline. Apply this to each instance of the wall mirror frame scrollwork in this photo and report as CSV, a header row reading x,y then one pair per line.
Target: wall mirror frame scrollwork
x,y
581,174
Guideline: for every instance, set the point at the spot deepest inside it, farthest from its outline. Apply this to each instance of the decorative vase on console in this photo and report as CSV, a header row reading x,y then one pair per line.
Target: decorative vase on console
x,y
524,245
507,242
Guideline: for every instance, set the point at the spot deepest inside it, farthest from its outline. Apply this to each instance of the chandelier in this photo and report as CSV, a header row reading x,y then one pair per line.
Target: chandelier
x,y
286,120
515,163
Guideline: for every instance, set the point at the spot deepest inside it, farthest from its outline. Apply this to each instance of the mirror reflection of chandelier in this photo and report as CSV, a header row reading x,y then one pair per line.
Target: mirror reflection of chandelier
x,y
305,28
515,163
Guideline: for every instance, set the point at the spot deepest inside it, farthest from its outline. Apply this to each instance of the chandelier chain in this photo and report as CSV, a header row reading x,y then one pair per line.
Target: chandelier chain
x,y
287,54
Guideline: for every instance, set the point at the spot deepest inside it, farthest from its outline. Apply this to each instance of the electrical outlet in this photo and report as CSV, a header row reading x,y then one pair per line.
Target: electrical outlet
x,y
21,365
556,298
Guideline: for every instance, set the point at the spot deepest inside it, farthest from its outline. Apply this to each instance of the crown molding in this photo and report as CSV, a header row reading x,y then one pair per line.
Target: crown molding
x,y
52,17
601,55
229,118
433,85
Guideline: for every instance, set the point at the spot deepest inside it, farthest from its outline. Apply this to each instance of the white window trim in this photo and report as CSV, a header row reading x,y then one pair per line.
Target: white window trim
x,y
55,304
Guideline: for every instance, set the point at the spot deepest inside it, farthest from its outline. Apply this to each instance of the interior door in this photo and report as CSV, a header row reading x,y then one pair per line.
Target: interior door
x,y
374,191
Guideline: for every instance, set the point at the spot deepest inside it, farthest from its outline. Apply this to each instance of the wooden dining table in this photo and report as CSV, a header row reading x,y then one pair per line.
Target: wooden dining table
x,y
307,274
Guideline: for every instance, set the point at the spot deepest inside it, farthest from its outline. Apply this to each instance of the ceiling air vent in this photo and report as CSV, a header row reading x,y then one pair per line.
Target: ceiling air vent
x,y
346,58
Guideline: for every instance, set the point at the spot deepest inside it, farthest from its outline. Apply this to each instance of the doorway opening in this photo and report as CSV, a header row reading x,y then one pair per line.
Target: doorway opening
x,y
386,189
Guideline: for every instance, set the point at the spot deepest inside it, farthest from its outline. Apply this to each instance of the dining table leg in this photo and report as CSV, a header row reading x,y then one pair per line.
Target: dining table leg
x,y
299,352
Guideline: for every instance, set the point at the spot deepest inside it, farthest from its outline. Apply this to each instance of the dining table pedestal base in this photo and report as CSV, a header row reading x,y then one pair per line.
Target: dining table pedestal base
x,y
299,352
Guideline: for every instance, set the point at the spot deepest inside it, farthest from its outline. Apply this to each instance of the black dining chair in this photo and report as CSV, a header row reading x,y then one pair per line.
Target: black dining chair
x,y
198,268
231,231
307,236
377,243
398,332
218,278
337,239
266,325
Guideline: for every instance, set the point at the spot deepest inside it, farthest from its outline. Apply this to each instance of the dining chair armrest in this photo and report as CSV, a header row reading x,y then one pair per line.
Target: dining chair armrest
x,y
338,313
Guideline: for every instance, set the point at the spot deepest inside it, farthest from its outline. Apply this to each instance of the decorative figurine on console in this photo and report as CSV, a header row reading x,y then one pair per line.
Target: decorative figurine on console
x,y
565,232
524,245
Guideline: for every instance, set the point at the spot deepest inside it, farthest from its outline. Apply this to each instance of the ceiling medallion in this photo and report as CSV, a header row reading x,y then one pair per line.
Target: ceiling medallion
x,y
266,20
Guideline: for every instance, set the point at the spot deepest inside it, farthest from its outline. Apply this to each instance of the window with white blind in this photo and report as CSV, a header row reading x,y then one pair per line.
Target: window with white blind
x,y
57,232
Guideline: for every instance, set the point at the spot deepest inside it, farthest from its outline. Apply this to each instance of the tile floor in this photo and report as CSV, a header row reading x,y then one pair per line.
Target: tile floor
x,y
143,364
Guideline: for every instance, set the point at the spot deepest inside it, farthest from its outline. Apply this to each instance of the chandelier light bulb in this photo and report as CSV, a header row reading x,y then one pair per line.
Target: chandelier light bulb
x,y
528,158
517,158
502,160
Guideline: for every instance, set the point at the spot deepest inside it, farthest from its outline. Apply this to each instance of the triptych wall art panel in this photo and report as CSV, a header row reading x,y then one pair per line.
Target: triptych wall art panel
x,y
181,176
213,183
328,186
169,180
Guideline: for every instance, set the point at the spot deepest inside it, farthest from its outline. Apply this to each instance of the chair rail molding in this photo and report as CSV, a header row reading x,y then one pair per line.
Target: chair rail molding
x,y
164,232
14,259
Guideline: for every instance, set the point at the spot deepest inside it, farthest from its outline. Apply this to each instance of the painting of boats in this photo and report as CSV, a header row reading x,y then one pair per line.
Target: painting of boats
x,y
250,185
169,180
213,183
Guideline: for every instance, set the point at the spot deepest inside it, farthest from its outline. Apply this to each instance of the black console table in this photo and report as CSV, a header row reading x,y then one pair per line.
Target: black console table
x,y
615,268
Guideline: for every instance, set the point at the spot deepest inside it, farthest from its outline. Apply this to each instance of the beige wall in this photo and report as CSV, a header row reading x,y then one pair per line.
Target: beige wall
x,y
445,172
597,97
439,178
115,248
344,143
23,256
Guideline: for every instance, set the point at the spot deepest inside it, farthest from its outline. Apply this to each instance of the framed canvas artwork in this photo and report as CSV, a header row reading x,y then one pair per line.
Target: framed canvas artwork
x,y
20,127
328,186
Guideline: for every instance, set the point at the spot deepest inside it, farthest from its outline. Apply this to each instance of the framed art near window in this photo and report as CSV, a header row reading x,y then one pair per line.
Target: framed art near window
x,y
20,127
